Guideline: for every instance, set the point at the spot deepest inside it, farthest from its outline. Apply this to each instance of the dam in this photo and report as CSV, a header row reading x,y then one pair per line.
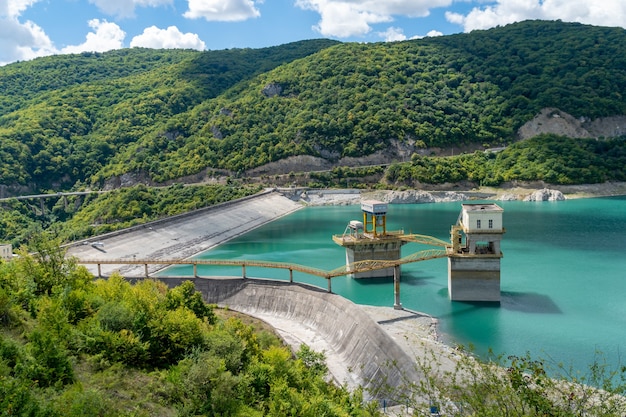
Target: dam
x,y
545,303
359,352
562,274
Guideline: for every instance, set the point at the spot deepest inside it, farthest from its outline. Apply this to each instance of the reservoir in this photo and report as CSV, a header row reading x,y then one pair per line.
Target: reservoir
x,y
563,278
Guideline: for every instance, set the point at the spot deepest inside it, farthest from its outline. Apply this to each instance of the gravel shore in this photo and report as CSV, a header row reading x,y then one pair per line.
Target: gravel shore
x,y
451,193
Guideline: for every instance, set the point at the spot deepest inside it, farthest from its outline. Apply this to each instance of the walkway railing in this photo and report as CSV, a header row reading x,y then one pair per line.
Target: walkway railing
x,y
361,266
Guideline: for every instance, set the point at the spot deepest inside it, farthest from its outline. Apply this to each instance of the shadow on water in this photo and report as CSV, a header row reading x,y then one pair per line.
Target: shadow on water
x,y
413,280
529,302
406,279
525,302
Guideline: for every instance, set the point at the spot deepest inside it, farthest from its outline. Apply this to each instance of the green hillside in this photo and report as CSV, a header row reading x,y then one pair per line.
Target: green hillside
x,y
167,114
354,99
63,118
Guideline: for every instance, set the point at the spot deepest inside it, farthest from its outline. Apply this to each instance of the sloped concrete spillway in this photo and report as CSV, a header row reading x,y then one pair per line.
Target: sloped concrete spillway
x,y
182,236
358,350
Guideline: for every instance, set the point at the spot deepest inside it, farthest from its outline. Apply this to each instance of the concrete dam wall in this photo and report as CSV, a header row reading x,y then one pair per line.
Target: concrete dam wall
x,y
358,350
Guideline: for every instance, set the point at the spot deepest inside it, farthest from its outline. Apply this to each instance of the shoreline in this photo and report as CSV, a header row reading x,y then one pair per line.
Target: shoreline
x,y
451,193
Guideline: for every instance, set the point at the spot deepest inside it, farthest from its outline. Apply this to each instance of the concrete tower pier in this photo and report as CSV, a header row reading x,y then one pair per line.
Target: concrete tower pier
x,y
370,241
474,262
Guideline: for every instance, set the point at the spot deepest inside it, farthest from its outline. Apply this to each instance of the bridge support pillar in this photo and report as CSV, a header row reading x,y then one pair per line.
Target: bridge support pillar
x,y
195,270
145,266
397,305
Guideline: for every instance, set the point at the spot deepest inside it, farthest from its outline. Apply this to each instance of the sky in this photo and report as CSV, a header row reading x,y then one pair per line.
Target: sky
x,y
34,28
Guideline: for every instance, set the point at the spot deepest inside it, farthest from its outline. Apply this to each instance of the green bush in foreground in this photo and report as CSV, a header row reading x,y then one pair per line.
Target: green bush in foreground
x,y
71,346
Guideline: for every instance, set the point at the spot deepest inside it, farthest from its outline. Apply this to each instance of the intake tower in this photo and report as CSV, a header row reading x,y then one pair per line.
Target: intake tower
x,y
474,257
370,240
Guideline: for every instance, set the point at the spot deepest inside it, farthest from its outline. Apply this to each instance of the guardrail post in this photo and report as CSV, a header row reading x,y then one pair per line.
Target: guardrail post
x,y
146,269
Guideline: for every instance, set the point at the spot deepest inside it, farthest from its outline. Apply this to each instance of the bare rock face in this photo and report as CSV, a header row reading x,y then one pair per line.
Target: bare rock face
x,y
545,195
607,127
272,89
216,132
551,120
298,163
419,196
408,197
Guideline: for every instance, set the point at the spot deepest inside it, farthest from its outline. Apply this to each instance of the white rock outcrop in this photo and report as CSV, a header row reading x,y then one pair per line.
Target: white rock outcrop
x,y
545,195
417,196
553,120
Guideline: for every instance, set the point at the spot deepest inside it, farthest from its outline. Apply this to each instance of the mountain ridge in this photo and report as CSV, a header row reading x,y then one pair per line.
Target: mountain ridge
x,y
237,111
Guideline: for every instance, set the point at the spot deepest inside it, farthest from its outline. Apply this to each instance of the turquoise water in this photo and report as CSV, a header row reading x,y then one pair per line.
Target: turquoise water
x,y
563,274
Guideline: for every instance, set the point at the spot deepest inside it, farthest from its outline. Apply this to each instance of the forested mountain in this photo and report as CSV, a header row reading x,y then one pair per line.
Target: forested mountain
x,y
62,118
82,119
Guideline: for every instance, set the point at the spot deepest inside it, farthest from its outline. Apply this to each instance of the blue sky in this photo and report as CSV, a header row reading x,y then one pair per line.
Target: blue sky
x,y
33,28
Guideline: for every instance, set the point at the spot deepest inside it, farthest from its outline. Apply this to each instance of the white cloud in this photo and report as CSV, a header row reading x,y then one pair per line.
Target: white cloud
x,y
105,37
13,8
434,33
594,12
171,37
393,34
345,18
125,8
20,40
223,10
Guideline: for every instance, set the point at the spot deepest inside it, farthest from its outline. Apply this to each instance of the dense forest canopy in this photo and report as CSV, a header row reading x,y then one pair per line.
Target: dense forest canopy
x,y
158,117
79,120
63,118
